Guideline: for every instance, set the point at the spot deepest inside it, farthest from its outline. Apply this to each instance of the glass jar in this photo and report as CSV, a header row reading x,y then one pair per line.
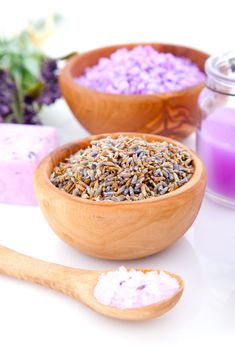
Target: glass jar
x,y
216,129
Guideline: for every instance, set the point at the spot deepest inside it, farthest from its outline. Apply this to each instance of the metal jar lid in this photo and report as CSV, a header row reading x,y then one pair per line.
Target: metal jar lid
x,y
221,73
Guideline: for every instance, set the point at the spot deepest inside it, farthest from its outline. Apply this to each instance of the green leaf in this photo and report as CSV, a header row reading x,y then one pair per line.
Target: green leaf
x,y
33,65
36,90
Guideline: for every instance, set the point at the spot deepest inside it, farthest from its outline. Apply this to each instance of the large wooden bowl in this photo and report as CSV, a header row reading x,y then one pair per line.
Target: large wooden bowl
x,y
173,114
118,230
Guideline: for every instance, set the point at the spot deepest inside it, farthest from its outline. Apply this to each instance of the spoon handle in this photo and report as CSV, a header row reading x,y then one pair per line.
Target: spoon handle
x,y
23,267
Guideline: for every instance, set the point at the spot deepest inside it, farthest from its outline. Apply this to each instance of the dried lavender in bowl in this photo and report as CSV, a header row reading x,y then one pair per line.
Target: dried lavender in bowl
x,y
124,169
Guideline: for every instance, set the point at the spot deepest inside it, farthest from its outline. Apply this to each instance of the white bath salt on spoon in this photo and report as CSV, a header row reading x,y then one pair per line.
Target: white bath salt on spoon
x,y
132,288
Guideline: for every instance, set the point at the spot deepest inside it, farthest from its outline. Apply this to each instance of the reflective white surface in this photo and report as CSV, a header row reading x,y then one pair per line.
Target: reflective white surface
x,y
204,257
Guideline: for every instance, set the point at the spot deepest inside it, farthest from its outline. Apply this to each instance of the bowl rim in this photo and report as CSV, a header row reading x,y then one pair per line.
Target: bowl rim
x,y
66,73
44,169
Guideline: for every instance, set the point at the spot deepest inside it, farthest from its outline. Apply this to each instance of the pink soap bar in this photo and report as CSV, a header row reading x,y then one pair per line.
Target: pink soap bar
x,y
21,149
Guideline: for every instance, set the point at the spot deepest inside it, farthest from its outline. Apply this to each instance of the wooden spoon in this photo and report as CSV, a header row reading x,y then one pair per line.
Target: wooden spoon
x,y
78,284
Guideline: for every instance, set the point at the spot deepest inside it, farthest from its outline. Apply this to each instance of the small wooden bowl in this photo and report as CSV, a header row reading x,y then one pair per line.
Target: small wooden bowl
x,y
173,114
118,230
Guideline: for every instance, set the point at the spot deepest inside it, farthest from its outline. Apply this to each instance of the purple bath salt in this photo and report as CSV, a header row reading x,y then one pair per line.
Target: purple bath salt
x,y
141,70
133,288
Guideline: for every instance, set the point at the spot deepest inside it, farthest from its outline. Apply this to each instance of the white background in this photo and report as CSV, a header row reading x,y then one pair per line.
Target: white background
x,y
32,317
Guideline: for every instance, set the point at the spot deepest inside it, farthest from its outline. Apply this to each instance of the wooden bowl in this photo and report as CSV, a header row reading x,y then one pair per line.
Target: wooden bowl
x,y
173,114
118,230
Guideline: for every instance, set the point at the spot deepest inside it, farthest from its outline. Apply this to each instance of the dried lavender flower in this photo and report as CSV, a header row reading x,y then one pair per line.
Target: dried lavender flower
x,y
104,170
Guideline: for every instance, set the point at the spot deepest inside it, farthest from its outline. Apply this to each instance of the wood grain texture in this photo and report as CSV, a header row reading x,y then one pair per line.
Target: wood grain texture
x,y
173,114
78,284
124,230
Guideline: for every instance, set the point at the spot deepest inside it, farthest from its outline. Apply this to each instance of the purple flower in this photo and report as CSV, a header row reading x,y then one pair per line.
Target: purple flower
x,y
49,75
7,94
49,68
30,110
4,110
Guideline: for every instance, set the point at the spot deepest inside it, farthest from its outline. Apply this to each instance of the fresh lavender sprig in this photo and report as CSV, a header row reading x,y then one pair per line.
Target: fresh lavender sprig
x,y
28,79
31,103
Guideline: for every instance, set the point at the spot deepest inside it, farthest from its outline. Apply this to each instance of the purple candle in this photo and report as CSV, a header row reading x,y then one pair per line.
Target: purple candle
x,y
216,147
